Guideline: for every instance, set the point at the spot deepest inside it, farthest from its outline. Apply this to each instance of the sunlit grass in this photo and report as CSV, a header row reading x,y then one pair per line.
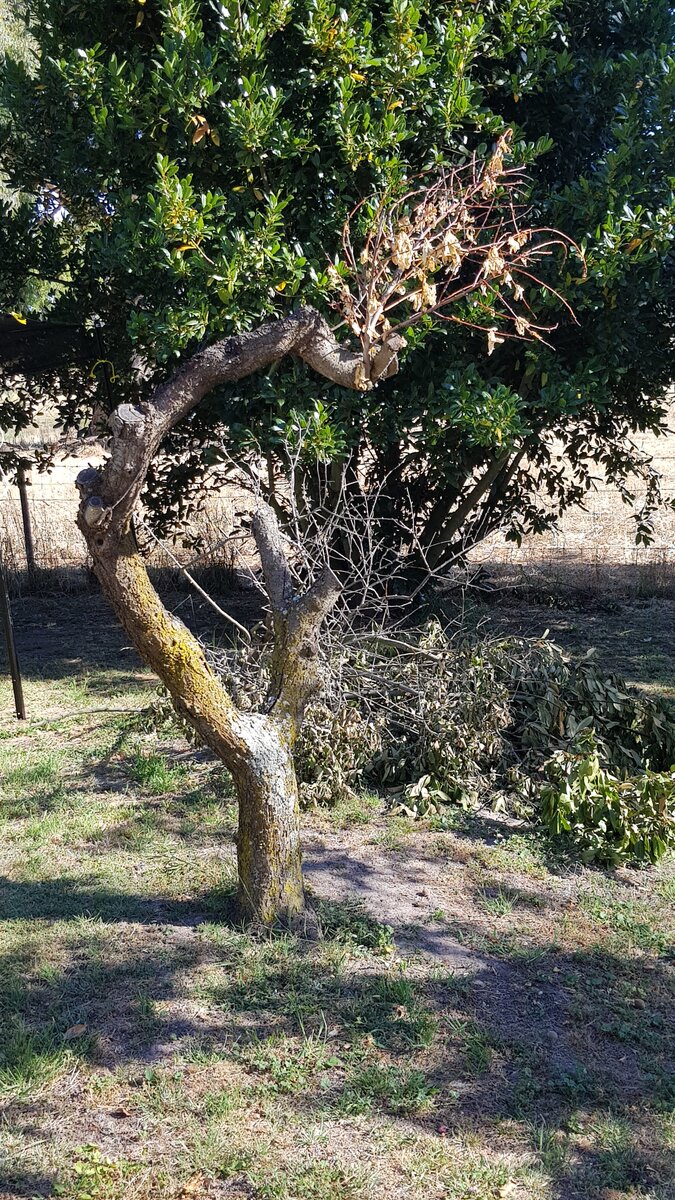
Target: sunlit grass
x,y
278,1066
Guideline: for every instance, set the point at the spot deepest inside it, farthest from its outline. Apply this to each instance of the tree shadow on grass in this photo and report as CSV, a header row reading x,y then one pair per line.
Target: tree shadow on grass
x,y
14,1183
65,898
60,637
547,1041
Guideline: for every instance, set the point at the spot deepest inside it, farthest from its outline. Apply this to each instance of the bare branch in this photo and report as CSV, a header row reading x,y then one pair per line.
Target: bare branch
x,y
276,572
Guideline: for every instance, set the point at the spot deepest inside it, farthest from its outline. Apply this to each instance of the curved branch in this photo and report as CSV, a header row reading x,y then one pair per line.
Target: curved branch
x,y
139,430
109,497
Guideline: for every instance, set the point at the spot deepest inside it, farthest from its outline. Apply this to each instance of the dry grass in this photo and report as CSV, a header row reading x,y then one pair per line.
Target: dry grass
x,y
497,1025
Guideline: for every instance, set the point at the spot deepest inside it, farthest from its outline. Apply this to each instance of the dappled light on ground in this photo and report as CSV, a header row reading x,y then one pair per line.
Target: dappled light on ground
x,y
482,1017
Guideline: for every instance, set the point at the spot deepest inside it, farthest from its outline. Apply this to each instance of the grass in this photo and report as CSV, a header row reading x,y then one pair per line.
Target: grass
x,y
154,775
352,924
32,781
498,902
354,810
474,1042
395,1089
214,1062
630,924
30,1060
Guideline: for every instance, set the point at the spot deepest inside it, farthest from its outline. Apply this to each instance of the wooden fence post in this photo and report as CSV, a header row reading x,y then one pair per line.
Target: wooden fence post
x,y
6,619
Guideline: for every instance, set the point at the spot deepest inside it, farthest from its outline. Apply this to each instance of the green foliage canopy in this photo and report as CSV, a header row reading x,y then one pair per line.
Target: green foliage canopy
x,y
178,171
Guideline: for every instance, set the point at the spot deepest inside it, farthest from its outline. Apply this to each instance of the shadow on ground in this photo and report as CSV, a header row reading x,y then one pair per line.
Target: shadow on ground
x,y
64,636
539,1039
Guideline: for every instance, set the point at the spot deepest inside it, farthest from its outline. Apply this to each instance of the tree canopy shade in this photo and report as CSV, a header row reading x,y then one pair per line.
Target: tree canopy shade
x,y
180,171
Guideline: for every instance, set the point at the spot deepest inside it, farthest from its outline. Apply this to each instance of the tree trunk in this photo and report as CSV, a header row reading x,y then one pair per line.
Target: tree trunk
x,y
256,748
268,842
253,747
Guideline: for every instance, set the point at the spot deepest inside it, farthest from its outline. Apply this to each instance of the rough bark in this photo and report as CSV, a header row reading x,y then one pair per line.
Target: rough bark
x,y
255,747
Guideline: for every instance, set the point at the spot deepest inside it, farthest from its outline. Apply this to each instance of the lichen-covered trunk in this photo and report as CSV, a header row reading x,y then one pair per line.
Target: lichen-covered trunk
x,y
268,841
253,747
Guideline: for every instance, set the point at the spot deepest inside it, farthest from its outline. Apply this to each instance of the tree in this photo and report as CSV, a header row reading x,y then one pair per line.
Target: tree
x,y
255,747
422,255
185,171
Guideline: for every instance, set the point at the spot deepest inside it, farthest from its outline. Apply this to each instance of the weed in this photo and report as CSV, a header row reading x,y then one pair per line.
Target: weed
x,y
498,902
233,1162
551,1147
222,1103
290,1068
391,1014
146,1009
394,836
518,852
320,1181
616,1165
358,809
94,1176
388,1087
351,924
152,772
474,1042
459,1170
665,888
202,1053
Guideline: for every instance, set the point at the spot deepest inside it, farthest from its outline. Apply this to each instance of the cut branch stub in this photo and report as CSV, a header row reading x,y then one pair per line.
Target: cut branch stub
x,y
295,670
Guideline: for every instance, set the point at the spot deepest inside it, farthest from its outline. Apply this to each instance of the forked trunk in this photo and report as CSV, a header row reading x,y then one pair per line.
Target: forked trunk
x,y
254,747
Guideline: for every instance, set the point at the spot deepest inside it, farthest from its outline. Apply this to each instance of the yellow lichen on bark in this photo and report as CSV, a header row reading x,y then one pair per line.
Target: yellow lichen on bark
x,y
256,749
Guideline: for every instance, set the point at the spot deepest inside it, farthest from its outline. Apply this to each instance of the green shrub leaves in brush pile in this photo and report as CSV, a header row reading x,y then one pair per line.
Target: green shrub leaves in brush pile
x,y
440,722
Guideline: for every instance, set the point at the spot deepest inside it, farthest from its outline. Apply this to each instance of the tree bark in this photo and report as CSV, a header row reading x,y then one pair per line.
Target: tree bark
x,y
256,748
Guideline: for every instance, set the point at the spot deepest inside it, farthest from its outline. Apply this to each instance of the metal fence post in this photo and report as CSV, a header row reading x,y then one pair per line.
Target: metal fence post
x,y
23,480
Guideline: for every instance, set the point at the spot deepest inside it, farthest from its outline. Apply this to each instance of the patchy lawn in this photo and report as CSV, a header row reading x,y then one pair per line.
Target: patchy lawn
x,y
482,1018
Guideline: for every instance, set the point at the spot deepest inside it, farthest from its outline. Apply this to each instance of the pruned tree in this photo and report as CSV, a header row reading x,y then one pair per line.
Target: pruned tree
x,y
255,747
417,252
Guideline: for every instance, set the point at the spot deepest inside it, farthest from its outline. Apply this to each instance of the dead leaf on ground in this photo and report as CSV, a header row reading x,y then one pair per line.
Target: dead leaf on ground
x,y
75,1031
195,1186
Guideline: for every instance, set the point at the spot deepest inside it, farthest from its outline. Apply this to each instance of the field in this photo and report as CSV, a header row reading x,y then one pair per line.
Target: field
x,y
481,1019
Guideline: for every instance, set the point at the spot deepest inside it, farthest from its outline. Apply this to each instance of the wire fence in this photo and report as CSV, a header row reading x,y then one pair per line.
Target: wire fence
x,y
592,542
